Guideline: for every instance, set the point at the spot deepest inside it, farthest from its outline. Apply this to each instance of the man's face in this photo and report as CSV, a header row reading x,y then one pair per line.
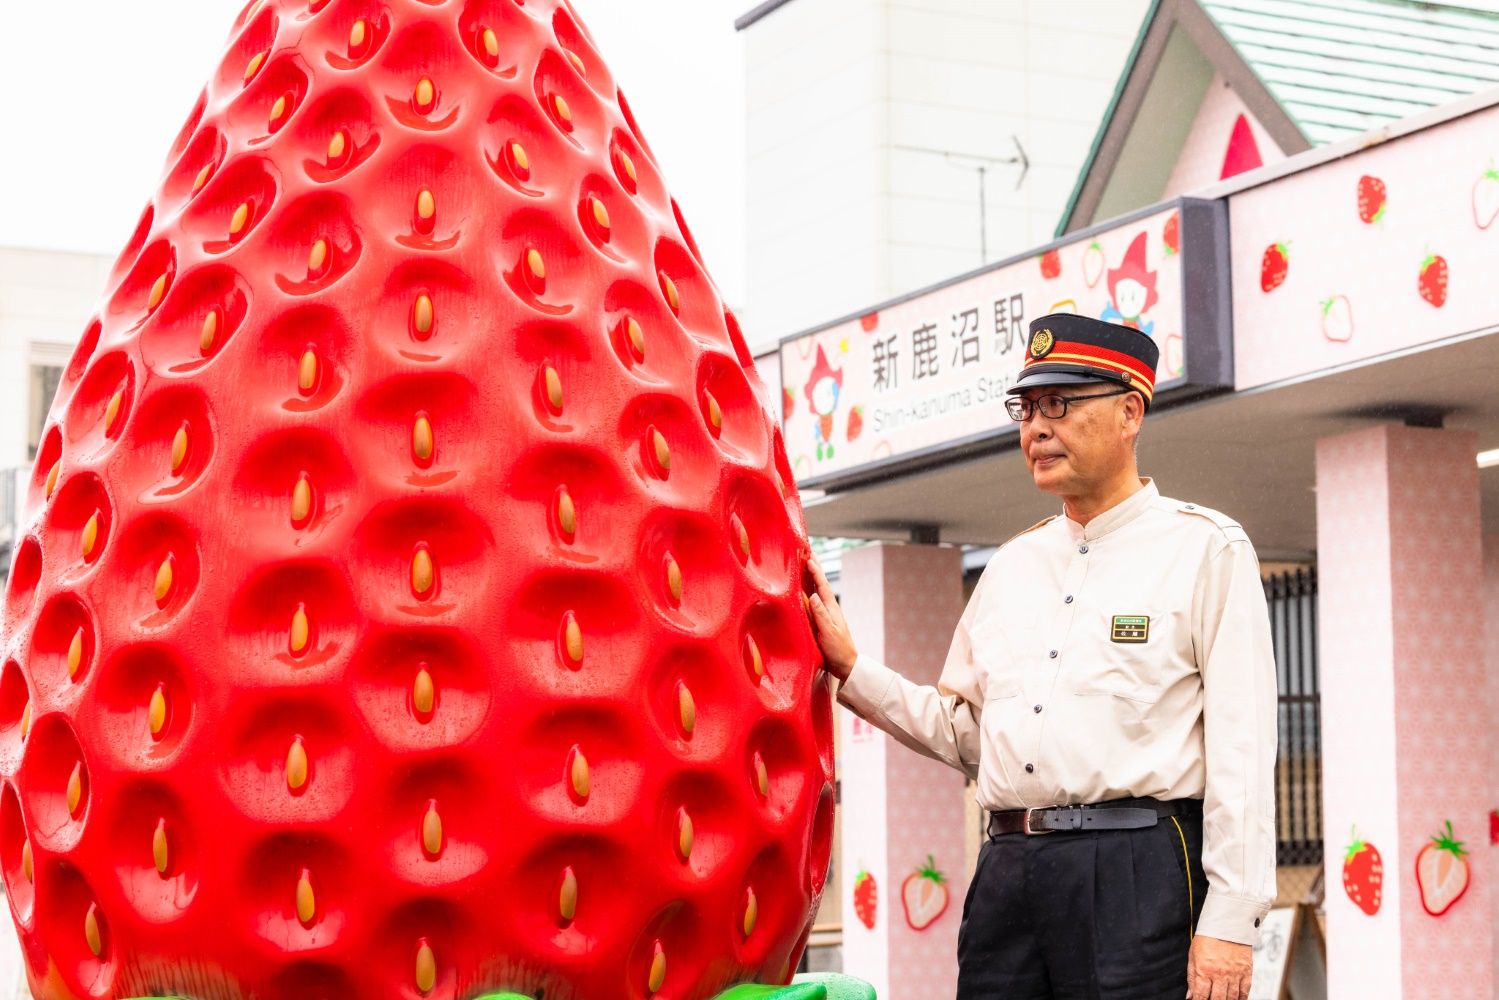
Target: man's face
x,y
1094,442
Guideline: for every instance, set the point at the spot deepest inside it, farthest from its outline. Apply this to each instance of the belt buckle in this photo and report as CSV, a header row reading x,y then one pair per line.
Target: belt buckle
x,y
1029,832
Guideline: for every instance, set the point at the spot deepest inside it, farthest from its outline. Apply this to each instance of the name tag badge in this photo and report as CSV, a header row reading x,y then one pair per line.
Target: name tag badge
x,y
1130,628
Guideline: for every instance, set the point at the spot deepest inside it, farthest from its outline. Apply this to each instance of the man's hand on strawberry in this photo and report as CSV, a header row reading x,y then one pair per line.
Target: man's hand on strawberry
x,y
1218,970
829,625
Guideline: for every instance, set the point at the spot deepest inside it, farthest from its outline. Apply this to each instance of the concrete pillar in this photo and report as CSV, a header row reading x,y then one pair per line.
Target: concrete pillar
x,y
902,603
1406,734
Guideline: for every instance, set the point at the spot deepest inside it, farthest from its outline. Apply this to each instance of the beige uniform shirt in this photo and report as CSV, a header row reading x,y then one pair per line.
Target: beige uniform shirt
x,y
1130,657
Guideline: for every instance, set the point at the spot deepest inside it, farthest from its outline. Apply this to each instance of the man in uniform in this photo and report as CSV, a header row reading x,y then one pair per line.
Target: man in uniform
x,y
1111,686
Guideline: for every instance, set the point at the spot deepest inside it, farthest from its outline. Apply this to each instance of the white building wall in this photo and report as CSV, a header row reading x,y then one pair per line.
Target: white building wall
x,y
46,298
853,108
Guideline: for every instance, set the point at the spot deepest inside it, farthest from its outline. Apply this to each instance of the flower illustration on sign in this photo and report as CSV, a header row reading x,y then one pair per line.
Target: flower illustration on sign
x,y
1132,289
824,387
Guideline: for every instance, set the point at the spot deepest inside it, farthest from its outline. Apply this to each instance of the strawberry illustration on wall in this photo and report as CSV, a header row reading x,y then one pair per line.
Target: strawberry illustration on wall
x,y
866,898
1051,264
1432,282
1171,234
1337,319
855,423
410,601
1275,263
823,389
1363,875
1093,264
924,895
1486,198
1132,289
1371,199
1442,872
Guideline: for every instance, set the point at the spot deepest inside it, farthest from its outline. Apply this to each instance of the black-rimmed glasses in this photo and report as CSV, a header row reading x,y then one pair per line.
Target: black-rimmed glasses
x,y
1052,405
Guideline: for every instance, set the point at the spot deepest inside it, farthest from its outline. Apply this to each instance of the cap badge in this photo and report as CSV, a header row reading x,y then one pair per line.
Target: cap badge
x,y
1042,343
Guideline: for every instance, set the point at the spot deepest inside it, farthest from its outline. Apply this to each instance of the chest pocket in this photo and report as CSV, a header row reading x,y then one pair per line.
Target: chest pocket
x,y
1131,656
996,651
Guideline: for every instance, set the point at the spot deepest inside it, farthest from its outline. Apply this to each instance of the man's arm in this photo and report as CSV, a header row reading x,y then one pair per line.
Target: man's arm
x,y
1237,661
939,722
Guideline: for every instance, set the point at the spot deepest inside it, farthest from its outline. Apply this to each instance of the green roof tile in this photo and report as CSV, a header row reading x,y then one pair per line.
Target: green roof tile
x,y
1340,67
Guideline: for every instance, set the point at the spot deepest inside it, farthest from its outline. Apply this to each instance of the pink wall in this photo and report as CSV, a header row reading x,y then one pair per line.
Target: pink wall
x,y
1201,160
1491,649
902,602
1316,286
1407,740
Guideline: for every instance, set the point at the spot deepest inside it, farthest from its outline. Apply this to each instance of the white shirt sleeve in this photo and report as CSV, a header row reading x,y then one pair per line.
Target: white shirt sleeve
x,y
941,722
1237,660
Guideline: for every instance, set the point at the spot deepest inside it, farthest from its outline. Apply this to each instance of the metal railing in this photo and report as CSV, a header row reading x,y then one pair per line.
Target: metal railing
x,y
1292,598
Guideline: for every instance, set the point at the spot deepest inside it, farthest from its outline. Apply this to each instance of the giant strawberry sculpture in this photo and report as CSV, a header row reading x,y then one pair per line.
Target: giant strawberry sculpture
x,y
410,602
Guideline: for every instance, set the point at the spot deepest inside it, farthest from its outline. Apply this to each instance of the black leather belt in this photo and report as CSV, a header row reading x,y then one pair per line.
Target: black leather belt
x,y
1118,814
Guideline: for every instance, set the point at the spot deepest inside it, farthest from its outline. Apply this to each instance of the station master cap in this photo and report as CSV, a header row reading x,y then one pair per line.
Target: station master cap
x,y
1067,349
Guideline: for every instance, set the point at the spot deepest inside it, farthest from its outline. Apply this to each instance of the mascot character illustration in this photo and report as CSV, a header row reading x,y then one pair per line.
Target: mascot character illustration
x,y
1132,290
823,389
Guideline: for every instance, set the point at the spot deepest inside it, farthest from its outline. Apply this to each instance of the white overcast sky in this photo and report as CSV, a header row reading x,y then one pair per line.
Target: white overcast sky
x,y
96,90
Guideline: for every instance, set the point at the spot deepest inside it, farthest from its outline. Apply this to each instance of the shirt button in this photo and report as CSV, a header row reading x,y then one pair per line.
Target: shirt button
x,y
1038,709
1083,549
1069,599
1053,654
1030,769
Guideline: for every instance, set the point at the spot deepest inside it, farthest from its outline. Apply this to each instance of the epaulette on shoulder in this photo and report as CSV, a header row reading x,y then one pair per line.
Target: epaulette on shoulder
x,y
1039,524
1232,530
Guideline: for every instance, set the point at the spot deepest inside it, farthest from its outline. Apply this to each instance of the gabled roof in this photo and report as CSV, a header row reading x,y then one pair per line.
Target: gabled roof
x,y
1310,71
1340,67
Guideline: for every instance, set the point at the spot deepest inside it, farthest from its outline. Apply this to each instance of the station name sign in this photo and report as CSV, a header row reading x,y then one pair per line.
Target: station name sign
x,y
921,380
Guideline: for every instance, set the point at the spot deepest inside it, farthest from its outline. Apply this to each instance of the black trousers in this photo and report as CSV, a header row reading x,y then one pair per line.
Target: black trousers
x,y
1106,915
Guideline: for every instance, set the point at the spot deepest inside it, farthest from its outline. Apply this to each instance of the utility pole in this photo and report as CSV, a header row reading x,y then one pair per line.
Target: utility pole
x,y
981,164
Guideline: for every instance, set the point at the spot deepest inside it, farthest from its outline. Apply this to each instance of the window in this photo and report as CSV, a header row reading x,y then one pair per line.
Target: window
x,y
44,380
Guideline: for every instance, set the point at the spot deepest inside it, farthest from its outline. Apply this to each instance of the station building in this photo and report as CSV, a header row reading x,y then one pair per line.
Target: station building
x,y
1298,200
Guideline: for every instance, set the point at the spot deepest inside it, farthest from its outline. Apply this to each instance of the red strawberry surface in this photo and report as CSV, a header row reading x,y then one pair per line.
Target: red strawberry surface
x,y
1371,198
1432,283
410,599
1363,875
866,898
1273,266
1493,826
1051,264
1442,872
1171,234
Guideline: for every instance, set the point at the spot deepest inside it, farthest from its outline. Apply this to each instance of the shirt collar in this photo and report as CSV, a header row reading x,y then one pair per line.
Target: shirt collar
x,y
1116,516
